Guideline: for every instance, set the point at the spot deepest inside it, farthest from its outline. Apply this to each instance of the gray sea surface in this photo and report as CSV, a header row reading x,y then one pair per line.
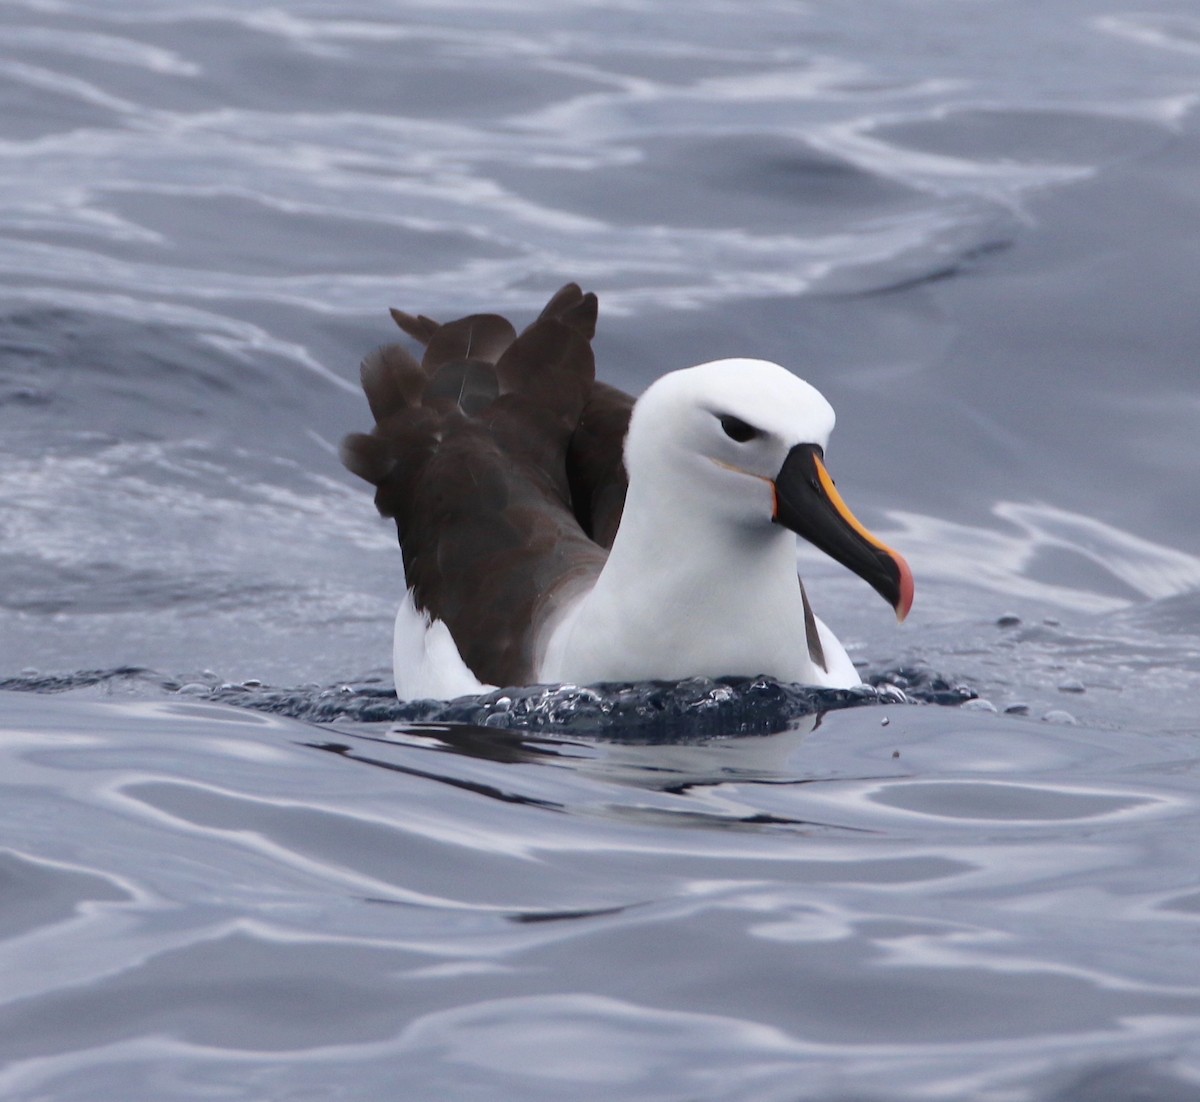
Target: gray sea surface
x,y
231,867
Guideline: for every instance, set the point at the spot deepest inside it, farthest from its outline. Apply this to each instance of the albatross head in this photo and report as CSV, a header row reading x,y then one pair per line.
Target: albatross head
x,y
742,442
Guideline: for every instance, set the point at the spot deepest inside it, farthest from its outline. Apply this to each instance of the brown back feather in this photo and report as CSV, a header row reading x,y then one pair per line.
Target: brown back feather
x,y
500,460
596,465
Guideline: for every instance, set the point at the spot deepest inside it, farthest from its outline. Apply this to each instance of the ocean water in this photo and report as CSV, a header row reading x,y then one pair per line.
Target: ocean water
x,y
231,866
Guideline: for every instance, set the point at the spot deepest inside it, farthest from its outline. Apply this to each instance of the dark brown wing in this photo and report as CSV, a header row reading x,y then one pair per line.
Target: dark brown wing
x,y
595,455
498,457
596,464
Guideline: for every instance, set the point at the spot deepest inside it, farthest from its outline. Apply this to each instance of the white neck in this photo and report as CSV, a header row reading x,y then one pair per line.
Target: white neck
x,y
685,594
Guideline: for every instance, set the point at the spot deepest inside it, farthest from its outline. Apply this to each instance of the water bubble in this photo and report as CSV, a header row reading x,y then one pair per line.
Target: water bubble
x,y
979,704
1058,716
1071,686
194,688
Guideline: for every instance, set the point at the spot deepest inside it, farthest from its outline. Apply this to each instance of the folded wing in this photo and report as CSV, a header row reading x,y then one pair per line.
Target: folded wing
x,y
499,457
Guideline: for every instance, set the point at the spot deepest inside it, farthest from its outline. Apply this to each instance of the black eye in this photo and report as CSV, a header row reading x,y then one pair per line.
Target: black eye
x,y
737,429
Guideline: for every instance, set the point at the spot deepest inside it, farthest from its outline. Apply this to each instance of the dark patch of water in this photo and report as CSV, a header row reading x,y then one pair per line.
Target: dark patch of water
x,y
647,711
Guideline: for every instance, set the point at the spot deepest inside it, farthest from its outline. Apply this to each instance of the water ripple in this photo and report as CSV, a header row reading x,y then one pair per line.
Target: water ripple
x,y
350,877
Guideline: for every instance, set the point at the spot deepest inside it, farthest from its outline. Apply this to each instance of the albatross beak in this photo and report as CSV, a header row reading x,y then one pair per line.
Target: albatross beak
x,y
807,502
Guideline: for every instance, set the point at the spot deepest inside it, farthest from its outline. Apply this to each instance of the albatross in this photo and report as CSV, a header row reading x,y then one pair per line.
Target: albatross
x,y
553,529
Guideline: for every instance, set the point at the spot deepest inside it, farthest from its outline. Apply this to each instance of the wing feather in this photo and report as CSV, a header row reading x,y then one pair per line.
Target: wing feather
x,y
500,460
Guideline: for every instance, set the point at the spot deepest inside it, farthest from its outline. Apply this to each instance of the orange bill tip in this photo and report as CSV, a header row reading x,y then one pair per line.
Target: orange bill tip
x,y
907,585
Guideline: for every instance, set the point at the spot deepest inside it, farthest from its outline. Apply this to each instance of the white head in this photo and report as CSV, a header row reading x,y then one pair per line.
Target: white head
x,y
721,432
736,449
